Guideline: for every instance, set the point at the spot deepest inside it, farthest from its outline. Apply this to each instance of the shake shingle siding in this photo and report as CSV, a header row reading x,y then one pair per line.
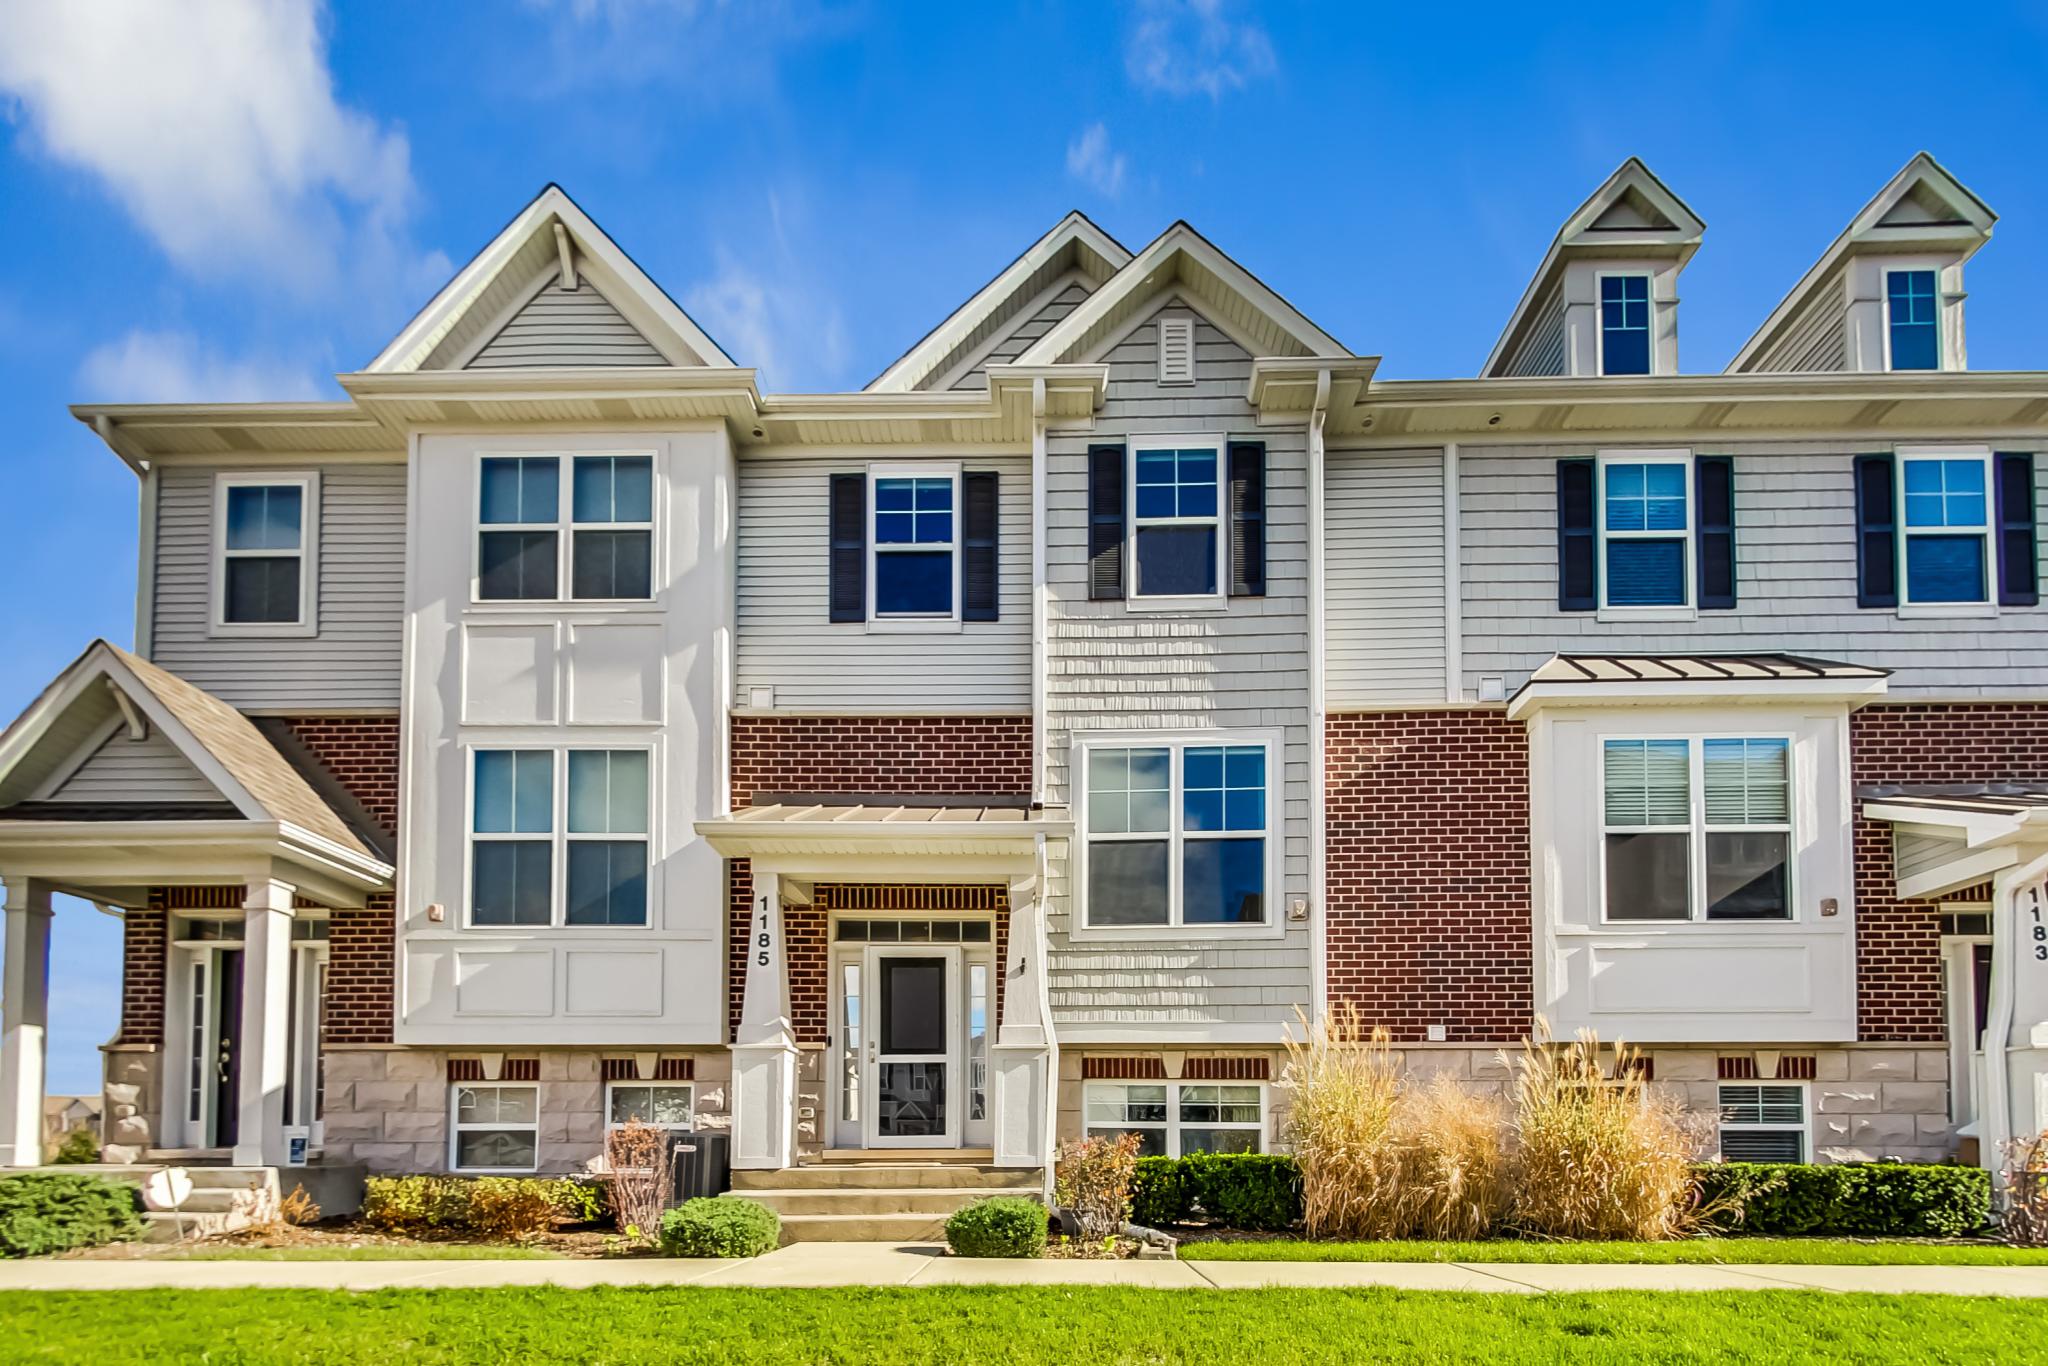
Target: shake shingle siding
x,y
1242,667
354,660
1795,557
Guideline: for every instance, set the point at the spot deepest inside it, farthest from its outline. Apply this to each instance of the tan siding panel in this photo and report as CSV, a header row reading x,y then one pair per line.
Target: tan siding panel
x,y
147,770
1384,607
567,327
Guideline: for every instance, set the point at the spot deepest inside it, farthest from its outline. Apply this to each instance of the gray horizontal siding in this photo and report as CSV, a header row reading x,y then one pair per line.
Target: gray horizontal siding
x,y
1542,349
151,769
786,641
1384,571
1018,341
1109,668
1795,553
354,660
566,327
1816,338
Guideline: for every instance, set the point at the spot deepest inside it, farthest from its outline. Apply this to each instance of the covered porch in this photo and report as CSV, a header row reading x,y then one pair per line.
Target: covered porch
x,y
890,981
130,789
1979,852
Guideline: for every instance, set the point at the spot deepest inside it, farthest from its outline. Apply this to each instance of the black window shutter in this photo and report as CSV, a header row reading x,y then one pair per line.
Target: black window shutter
x,y
978,537
1578,585
1877,533
2019,582
1714,479
1247,519
1105,522
849,547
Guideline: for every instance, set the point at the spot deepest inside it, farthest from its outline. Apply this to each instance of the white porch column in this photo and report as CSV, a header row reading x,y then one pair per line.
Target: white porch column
x,y
1025,1057
266,1022
764,1049
24,1022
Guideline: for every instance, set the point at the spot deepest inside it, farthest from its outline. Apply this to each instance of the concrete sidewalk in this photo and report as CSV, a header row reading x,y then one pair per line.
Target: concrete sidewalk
x,y
890,1264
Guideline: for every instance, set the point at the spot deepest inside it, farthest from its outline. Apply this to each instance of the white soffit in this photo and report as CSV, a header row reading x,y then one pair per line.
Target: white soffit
x,y
1633,212
1922,206
505,269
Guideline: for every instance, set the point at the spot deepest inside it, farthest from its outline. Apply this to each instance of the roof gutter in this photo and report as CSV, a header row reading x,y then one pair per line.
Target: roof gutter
x,y
1318,707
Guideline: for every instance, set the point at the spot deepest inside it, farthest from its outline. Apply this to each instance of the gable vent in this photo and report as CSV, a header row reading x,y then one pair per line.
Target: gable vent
x,y
1176,350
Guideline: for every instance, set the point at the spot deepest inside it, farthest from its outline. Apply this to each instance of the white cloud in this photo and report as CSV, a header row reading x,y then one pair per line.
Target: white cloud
x,y
176,367
772,312
1190,47
1090,161
699,51
214,123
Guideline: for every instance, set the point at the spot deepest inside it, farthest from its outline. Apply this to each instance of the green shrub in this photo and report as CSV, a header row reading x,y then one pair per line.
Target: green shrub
x,y
81,1145
719,1226
55,1211
1251,1191
1002,1226
416,1204
1847,1199
490,1206
583,1200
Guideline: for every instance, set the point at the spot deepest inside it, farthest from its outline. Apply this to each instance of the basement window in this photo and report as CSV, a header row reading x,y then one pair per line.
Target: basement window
x,y
1763,1122
1176,1119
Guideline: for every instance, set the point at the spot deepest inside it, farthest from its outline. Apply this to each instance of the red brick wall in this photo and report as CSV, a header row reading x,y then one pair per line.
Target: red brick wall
x,y
1898,944
360,751
921,755
145,943
1428,829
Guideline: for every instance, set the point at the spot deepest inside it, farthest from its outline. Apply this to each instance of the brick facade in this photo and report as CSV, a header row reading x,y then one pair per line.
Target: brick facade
x,y
1428,836
1898,943
145,944
911,755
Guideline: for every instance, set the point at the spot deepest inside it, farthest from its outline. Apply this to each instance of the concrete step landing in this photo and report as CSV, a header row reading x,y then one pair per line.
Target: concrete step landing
x,y
858,1202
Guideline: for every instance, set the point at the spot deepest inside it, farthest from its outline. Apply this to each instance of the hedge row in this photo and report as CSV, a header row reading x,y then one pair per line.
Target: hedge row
x,y
43,1212
494,1206
1262,1192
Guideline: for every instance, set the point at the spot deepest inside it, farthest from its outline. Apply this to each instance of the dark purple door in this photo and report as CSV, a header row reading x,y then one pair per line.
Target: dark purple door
x,y
227,1064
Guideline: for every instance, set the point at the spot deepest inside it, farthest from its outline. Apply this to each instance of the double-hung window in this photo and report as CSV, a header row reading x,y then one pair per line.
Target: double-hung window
x,y
519,818
1912,320
1177,525
1177,834
1176,1119
915,569
521,539
265,577
1624,324
1646,530
495,1128
1946,528
1763,1122
1697,828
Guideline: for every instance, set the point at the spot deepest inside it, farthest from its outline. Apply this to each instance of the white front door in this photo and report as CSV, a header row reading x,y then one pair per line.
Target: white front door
x,y
911,1065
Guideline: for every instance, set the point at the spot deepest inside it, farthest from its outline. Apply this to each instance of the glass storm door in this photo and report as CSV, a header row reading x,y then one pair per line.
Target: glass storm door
x,y
913,1041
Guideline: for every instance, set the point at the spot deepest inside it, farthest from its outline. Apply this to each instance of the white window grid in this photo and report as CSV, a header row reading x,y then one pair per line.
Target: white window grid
x,y
1768,1107
1934,302
564,526
1697,827
557,836
306,553
1907,455
914,621
1176,835
614,1088
1098,1097
456,1126
1219,450
1683,535
1649,304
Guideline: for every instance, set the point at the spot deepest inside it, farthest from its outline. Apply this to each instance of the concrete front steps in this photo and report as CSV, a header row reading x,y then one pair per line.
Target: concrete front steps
x,y
843,1201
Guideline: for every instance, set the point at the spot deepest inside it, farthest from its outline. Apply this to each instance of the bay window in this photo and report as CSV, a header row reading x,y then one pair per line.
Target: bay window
x,y
1697,828
1176,834
1177,525
597,818
1175,1119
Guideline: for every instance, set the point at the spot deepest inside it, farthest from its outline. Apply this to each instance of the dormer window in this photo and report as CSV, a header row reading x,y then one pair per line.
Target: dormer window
x,y
1911,320
1624,324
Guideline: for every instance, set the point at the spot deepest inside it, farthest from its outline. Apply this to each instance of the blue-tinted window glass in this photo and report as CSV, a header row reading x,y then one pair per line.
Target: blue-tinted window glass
x,y
1625,325
1223,788
607,882
1646,573
511,882
1944,493
913,511
1176,483
520,489
1945,568
514,792
613,488
1223,882
607,791
1176,561
1647,497
266,518
1915,334
914,583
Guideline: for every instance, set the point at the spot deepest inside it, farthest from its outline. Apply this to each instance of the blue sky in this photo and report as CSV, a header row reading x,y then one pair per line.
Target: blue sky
x,y
213,200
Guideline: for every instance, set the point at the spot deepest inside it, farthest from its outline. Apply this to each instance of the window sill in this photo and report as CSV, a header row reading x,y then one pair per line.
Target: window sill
x,y
1647,614
1946,611
912,626
1219,603
262,630
1152,934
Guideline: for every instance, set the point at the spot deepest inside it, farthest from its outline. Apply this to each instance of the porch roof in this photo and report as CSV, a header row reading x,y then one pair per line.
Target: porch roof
x,y
1949,836
1647,679
797,824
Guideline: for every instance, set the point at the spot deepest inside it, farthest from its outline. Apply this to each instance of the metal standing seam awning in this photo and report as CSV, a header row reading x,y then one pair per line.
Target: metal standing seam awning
x,y
1948,837
1598,680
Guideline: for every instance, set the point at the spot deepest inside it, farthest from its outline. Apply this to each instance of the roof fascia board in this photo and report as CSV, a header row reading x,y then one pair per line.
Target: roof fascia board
x,y
1864,222
1630,174
917,363
1535,697
1580,389
1148,270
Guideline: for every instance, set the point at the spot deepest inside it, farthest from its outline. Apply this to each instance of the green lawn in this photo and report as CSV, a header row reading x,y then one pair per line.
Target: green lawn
x,y
406,1252
1727,1251
1062,1325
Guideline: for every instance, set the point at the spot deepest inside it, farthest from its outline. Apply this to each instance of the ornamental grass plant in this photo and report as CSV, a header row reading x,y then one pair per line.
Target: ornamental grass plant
x,y
1345,1083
